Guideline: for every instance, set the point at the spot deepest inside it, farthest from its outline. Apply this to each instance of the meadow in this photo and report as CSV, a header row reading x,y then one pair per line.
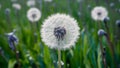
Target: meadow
x,y
34,53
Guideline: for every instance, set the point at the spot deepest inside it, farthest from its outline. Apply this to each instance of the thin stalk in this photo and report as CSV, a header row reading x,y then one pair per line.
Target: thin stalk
x,y
107,28
101,47
69,9
103,53
8,22
17,56
37,26
111,48
32,31
59,58
18,18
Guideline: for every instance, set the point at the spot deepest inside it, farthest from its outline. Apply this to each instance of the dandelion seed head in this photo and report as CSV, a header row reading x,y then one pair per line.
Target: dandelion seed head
x,y
60,31
16,6
7,11
33,14
13,0
48,0
31,3
99,13
112,4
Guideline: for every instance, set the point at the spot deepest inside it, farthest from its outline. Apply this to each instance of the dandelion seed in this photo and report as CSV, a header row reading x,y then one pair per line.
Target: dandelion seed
x,y
33,14
99,13
31,3
60,31
16,6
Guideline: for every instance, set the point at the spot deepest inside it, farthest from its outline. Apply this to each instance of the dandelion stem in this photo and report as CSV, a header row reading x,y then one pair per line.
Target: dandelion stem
x,y
17,56
110,43
103,53
8,22
107,28
111,48
59,58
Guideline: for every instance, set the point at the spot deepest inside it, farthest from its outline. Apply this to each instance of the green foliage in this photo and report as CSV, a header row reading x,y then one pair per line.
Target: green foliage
x,y
35,54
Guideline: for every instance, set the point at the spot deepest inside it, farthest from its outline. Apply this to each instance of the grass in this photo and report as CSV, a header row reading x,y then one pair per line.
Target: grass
x,y
85,54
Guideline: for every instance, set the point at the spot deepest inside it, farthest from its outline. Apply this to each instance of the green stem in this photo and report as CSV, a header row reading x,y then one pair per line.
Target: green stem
x,y
102,52
59,58
17,56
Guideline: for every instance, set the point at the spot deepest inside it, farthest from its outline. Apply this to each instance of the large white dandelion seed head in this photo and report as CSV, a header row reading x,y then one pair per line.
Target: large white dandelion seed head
x,y
33,14
16,6
31,3
99,13
60,31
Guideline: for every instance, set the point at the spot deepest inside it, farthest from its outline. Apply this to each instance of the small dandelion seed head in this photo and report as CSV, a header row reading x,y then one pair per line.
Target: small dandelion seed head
x,y
88,7
31,3
60,31
13,1
101,32
118,0
112,4
33,14
118,23
48,0
7,11
99,13
16,6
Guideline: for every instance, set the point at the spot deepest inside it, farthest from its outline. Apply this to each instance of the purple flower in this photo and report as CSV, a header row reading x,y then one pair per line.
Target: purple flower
x,y
12,40
101,32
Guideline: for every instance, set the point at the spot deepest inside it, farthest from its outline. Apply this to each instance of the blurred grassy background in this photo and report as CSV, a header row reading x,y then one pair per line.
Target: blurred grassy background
x,y
86,53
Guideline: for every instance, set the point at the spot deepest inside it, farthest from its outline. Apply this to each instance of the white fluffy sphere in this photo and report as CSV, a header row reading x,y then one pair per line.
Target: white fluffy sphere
x,y
99,13
33,14
60,20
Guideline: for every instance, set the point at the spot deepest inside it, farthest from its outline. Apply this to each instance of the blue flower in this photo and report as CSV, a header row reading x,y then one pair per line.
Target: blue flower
x,y
12,40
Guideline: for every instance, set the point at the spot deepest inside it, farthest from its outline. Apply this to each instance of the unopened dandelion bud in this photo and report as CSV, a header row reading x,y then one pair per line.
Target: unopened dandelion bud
x,y
106,19
118,23
101,32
